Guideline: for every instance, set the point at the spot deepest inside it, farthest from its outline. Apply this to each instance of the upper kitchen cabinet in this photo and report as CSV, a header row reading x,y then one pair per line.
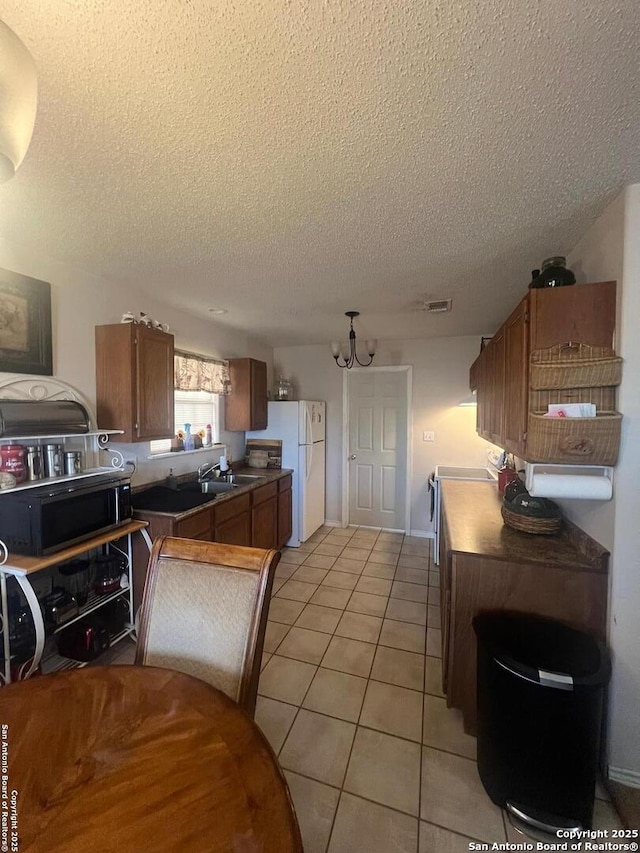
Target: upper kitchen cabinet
x,y
134,381
246,406
554,317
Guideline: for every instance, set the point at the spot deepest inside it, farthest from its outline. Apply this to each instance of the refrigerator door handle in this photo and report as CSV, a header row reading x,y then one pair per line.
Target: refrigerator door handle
x,y
308,438
309,455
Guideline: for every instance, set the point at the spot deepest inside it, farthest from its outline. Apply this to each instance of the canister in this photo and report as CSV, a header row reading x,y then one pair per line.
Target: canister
x,y
12,461
72,462
53,462
34,462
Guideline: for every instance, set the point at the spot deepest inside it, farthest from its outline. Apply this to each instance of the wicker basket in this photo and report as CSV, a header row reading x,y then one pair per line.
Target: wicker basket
x,y
582,441
529,524
574,366
603,398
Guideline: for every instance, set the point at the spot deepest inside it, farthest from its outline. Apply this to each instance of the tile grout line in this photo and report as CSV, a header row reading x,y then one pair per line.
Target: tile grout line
x,y
383,806
358,725
330,833
368,679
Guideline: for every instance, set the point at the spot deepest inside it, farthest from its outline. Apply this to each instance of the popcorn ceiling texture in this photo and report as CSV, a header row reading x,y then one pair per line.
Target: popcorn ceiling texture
x,y
291,160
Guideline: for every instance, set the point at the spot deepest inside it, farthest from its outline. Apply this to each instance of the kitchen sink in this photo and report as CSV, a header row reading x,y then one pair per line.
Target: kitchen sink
x,y
245,479
216,487
190,494
163,499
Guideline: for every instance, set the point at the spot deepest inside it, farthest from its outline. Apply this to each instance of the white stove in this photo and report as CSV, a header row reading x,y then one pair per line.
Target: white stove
x,y
451,472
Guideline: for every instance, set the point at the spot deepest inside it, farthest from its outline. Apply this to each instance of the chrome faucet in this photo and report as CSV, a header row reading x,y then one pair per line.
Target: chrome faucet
x,y
206,469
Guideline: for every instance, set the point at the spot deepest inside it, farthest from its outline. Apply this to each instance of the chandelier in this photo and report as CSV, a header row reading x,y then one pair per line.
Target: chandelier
x,y
18,99
351,358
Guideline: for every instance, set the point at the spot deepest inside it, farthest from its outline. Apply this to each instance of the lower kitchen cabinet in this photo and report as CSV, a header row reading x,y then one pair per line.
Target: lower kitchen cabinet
x,y
199,526
285,508
232,521
258,517
264,516
485,565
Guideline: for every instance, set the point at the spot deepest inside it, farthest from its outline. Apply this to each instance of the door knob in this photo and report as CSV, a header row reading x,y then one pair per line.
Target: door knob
x,y
353,456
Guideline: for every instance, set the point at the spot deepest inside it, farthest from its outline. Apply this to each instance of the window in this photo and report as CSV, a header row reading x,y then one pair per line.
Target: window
x,y
198,381
197,408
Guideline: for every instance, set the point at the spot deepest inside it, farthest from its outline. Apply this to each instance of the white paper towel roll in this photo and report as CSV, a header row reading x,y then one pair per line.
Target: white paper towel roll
x,y
571,486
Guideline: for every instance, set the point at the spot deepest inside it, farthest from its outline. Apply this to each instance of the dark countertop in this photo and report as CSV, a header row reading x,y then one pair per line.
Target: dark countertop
x,y
267,475
474,525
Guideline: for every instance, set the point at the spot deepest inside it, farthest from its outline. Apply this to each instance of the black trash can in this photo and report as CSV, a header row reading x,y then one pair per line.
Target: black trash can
x,y
540,691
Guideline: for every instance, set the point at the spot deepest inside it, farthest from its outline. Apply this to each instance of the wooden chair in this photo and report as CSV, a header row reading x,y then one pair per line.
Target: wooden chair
x,y
204,613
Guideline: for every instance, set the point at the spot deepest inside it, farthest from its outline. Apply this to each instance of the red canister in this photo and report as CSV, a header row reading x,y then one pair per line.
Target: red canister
x,y
12,461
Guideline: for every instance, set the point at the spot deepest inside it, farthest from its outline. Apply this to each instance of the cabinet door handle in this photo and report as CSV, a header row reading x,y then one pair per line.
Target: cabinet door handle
x,y
353,456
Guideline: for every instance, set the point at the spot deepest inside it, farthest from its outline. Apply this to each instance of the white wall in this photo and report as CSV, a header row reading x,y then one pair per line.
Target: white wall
x,y
440,382
611,250
81,301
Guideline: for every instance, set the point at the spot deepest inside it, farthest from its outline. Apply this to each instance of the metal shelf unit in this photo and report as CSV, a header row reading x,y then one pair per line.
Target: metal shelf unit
x,y
21,567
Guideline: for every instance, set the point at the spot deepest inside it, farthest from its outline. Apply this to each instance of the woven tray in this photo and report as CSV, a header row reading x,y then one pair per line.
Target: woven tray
x,y
528,524
574,366
582,441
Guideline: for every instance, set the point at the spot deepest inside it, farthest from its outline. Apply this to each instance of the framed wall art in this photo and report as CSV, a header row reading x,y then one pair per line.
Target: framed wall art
x,y
25,324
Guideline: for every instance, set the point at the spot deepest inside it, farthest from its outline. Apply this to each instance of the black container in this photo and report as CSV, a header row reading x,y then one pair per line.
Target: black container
x,y
540,697
109,568
554,274
76,577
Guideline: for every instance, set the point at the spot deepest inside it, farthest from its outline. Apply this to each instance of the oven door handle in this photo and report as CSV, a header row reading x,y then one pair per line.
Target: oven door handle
x,y
432,492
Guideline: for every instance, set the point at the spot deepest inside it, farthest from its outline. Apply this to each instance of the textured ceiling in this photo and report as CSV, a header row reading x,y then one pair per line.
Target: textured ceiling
x,y
291,160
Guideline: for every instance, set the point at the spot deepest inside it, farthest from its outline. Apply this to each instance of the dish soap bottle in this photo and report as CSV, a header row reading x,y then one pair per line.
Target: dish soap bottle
x,y
188,438
208,437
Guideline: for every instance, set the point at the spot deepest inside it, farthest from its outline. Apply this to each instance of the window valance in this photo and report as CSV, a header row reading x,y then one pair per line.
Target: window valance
x,y
193,372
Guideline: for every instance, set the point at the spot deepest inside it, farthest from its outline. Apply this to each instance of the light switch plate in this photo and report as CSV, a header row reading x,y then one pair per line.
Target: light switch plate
x,y
428,436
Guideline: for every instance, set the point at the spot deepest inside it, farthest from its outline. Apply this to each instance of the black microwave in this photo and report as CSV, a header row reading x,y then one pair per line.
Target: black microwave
x,y
46,519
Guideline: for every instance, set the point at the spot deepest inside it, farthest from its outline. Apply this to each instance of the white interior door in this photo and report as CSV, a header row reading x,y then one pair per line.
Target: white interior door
x,y
377,450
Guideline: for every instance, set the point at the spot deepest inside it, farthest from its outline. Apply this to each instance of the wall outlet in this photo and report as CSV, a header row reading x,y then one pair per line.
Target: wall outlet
x,y
428,436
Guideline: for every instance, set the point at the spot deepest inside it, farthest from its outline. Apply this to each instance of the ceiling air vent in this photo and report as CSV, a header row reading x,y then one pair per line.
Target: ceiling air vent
x,y
437,306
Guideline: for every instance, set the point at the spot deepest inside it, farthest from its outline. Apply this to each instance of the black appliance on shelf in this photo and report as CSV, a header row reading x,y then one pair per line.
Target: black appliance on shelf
x,y
49,518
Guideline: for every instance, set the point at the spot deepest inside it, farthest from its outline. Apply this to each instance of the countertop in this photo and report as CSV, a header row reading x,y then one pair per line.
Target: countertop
x,y
267,475
474,525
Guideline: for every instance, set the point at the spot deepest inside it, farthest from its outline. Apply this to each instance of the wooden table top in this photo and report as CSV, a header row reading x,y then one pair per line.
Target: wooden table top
x,y
132,758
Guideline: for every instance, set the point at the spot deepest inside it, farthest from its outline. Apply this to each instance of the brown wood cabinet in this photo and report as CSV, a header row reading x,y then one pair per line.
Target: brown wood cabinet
x,y
513,427
246,405
583,313
264,516
285,507
199,526
134,381
485,565
259,517
232,521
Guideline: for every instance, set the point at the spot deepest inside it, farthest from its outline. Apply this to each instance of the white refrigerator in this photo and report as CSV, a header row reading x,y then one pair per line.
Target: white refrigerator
x,y
300,425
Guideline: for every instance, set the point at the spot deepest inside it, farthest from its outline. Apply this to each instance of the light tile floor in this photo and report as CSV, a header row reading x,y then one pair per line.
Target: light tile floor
x,y
350,699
